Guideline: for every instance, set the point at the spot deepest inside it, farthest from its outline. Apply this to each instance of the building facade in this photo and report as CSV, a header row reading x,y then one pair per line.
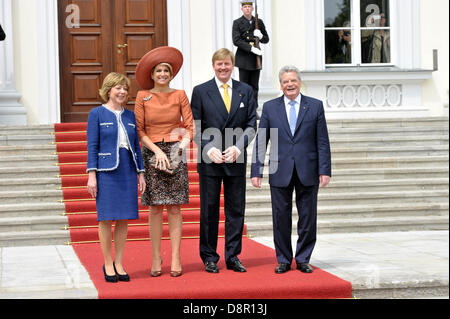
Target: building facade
x,y
363,58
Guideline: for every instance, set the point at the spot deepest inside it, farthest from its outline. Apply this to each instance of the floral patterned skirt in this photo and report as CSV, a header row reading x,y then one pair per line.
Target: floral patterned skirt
x,y
163,188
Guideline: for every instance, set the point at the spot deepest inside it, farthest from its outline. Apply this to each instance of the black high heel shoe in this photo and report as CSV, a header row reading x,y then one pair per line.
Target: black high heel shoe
x,y
125,277
109,278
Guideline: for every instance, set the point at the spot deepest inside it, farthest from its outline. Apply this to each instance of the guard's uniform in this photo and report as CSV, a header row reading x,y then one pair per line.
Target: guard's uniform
x,y
243,38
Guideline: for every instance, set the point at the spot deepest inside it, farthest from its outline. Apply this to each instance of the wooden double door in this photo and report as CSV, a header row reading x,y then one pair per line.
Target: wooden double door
x,y
97,37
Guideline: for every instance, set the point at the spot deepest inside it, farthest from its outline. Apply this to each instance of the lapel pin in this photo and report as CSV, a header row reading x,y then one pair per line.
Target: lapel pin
x,y
148,98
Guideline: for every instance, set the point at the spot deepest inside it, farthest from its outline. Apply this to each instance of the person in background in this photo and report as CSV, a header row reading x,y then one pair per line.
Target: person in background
x,y
245,34
159,110
115,169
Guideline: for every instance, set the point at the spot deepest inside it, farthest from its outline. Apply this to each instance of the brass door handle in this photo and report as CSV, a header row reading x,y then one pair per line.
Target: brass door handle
x,y
121,46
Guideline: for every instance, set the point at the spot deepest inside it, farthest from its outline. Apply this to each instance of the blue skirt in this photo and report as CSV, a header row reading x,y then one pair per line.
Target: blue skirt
x,y
117,196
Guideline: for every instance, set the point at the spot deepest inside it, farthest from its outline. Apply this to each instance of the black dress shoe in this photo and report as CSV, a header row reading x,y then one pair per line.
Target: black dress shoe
x,y
282,268
211,267
125,277
109,278
305,267
236,266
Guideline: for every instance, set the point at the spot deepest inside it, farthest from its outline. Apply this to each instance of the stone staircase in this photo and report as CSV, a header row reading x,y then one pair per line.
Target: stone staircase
x,y
30,191
388,175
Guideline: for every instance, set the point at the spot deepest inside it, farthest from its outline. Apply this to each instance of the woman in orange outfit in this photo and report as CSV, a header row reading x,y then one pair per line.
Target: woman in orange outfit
x,y
159,110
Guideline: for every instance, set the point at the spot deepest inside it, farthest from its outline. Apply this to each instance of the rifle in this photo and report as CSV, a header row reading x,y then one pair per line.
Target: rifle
x,y
258,58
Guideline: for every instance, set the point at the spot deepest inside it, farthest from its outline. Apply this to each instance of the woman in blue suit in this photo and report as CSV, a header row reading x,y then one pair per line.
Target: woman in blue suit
x,y
114,166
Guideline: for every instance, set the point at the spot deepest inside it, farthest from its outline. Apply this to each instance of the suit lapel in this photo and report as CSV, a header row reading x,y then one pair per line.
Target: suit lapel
x,y
301,113
216,98
235,100
283,116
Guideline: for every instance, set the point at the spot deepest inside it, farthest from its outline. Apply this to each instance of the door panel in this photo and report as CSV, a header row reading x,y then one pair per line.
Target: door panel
x,y
141,31
90,52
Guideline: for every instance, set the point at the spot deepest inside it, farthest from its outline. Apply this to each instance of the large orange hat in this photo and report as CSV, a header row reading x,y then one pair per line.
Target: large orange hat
x,y
151,59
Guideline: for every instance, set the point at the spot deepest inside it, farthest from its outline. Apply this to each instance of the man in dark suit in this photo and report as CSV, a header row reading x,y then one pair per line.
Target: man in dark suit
x,y
2,34
244,35
300,159
225,115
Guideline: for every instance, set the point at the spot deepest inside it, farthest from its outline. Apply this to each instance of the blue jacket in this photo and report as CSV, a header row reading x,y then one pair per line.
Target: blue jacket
x,y
103,139
308,148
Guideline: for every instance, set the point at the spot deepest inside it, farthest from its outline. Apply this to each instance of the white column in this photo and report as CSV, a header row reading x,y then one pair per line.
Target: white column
x,y
48,62
315,50
11,111
178,25
406,33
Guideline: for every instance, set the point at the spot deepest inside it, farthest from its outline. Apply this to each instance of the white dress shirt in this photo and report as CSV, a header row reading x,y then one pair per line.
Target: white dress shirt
x,y
287,106
123,141
222,90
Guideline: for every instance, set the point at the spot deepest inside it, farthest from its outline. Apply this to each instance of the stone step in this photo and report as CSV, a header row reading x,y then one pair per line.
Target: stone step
x,y
27,184
34,238
264,214
388,141
389,122
29,172
32,223
45,139
32,209
26,130
358,186
388,131
389,162
28,160
382,151
380,162
398,151
383,173
361,225
363,198
21,150
34,196
391,173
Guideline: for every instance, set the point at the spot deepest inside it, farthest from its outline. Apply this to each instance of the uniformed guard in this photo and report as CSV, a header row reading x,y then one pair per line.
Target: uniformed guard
x,y
248,32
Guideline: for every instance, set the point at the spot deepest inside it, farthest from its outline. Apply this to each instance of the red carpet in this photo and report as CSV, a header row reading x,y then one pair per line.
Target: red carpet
x,y
260,282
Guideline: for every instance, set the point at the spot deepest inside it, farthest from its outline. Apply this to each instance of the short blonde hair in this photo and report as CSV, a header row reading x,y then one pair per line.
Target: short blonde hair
x,y
222,54
110,81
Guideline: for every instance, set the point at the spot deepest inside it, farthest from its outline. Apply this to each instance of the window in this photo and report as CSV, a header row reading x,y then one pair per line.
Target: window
x,y
357,32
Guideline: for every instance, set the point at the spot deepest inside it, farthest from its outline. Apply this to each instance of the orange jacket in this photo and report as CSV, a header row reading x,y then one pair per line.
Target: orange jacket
x,y
158,116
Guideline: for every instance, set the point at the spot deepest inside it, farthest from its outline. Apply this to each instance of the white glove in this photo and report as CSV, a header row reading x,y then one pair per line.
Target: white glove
x,y
258,33
256,51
